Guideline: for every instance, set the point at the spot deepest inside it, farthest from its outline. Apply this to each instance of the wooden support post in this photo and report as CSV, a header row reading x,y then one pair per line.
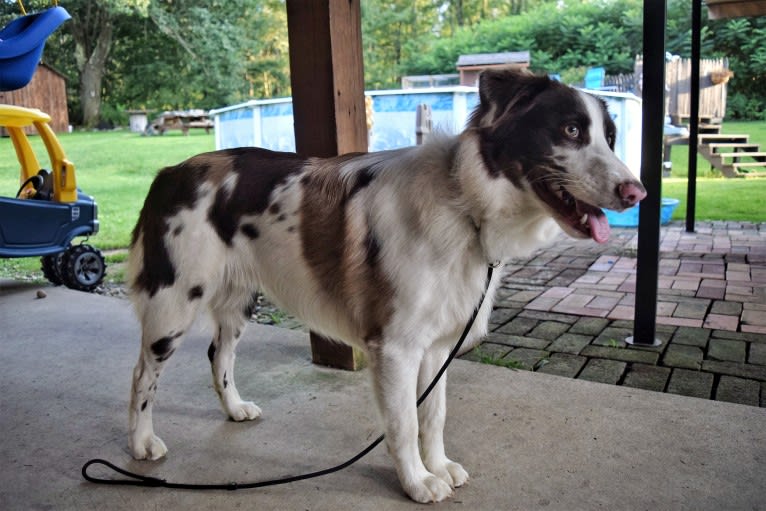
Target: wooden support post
x,y
327,79
423,123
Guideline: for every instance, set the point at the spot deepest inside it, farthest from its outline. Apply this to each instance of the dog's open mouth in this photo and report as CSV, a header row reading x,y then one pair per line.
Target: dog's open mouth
x,y
582,218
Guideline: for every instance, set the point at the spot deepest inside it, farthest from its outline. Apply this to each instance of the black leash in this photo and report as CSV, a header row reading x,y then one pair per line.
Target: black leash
x,y
154,482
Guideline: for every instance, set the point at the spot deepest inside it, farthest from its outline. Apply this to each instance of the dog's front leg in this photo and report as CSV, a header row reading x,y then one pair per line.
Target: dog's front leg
x,y
432,413
395,378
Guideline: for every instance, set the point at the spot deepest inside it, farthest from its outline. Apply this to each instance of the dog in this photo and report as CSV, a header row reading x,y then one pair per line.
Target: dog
x,y
385,251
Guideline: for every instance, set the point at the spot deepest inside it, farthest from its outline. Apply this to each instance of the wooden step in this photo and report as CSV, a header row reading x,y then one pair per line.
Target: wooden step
x,y
747,164
741,170
733,145
742,154
703,138
735,148
709,129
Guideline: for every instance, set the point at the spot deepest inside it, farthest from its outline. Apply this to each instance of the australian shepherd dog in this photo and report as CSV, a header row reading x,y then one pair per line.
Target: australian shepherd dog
x,y
385,251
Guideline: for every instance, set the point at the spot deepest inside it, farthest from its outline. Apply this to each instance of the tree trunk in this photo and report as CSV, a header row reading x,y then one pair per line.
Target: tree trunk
x,y
91,61
90,94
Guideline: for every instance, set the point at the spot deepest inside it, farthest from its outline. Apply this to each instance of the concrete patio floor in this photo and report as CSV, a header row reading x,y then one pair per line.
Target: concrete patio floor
x,y
529,440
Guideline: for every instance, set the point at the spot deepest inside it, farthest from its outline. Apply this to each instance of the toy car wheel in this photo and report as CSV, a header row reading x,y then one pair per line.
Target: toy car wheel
x,y
52,269
83,267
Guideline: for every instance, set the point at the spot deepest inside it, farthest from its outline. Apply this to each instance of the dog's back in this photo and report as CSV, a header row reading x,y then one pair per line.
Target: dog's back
x,y
220,226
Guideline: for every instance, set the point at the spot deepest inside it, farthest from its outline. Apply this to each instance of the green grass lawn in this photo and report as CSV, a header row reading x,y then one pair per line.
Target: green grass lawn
x,y
719,198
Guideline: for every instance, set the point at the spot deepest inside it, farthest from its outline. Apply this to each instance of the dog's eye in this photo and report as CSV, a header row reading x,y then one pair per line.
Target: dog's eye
x,y
610,139
572,131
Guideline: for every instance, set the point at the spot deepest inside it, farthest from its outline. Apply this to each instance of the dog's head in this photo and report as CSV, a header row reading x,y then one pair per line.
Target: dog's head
x,y
557,141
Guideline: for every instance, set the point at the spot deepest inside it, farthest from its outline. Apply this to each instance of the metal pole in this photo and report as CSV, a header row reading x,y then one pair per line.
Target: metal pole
x,y
694,115
653,111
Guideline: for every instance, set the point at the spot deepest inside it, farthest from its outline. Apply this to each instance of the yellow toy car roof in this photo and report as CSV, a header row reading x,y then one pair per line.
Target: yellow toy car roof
x,y
17,116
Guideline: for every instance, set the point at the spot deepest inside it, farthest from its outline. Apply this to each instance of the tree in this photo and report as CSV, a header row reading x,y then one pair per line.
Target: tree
x,y
176,54
398,32
387,26
92,31
559,38
161,54
200,54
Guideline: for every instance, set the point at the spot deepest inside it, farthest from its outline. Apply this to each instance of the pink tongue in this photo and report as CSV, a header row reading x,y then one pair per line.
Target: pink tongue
x,y
599,227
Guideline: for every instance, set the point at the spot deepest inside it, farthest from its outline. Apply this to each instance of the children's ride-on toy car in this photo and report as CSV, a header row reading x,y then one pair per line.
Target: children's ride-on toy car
x,y
48,211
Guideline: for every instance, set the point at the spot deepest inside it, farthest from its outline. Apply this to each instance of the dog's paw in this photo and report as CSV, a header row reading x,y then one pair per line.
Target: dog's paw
x,y
150,448
427,489
243,411
452,473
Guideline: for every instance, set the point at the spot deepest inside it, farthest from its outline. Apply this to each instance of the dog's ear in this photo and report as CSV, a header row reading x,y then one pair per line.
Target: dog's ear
x,y
503,90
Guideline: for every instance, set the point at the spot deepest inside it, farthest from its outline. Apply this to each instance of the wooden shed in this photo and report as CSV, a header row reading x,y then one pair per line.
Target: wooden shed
x,y
469,66
47,92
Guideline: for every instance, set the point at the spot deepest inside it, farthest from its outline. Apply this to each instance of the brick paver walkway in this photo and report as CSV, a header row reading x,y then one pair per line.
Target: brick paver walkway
x,y
568,310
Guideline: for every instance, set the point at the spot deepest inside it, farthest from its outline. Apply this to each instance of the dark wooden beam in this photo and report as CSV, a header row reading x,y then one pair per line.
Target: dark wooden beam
x,y
327,79
327,76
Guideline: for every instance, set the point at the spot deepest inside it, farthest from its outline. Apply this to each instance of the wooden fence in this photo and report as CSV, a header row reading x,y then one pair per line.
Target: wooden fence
x,y
713,77
714,74
620,83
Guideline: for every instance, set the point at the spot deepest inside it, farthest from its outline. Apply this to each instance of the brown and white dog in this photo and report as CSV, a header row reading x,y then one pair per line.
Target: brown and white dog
x,y
385,251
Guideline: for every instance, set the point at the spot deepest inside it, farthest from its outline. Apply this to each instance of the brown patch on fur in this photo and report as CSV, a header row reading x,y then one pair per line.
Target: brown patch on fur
x,y
342,252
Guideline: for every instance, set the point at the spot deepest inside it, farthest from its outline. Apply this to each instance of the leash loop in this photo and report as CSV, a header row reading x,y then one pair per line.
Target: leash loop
x,y
154,482
140,480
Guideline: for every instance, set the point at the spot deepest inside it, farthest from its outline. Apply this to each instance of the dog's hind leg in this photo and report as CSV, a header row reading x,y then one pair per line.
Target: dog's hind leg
x,y
163,325
230,325
395,378
431,415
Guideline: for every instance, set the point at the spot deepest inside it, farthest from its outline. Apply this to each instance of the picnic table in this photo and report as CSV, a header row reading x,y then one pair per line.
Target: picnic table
x,y
183,120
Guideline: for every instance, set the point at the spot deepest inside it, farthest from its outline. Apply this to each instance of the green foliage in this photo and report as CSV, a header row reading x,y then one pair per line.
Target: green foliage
x,y
567,37
191,54
171,54
397,32
209,53
743,41
558,38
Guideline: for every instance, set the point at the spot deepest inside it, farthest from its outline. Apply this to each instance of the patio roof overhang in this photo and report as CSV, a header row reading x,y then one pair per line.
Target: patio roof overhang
x,y
721,9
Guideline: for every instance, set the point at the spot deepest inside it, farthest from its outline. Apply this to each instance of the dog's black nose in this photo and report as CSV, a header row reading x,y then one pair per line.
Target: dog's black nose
x,y
631,192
